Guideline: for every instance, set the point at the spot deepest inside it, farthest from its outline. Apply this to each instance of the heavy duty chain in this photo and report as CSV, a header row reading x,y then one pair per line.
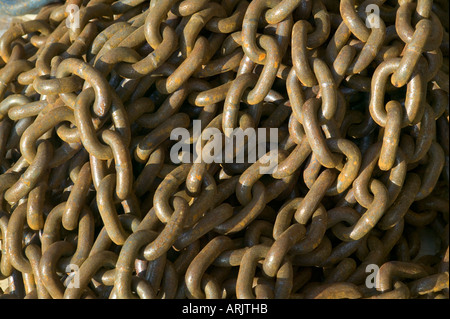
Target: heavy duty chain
x,y
93,205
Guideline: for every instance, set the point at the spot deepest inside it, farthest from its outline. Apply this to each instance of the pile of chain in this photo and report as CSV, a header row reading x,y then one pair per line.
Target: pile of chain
x,y
93,206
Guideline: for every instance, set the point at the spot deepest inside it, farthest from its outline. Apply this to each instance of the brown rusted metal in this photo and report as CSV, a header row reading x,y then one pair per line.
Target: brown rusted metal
x,y
89,184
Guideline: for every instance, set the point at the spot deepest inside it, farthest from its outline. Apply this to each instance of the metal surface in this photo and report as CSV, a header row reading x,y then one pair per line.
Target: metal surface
x,y
92,204
22,7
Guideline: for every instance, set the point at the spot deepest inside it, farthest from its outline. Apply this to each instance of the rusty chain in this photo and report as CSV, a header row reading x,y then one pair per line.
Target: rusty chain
x,y
357,90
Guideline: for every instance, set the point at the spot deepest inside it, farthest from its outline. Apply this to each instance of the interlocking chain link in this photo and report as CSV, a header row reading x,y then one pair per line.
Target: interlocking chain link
x,y
93,205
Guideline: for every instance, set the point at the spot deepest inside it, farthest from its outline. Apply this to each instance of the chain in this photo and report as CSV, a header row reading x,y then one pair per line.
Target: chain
x,y
93,204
